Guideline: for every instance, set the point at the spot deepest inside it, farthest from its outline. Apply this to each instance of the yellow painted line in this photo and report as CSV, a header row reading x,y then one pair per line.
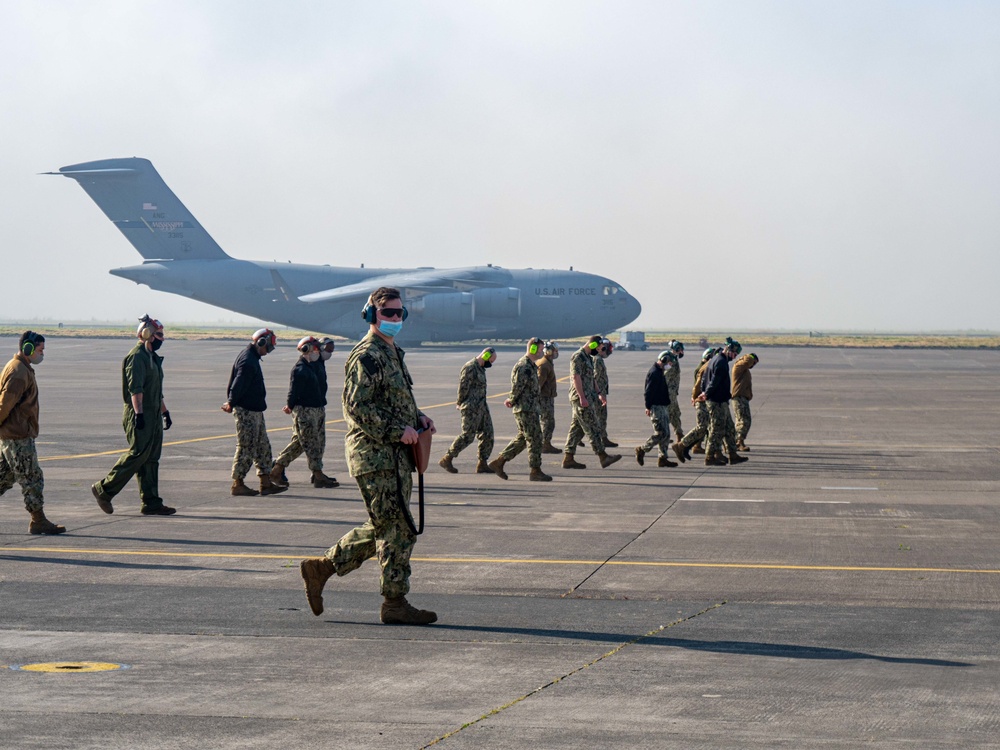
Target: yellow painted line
x,y
67,667
519,561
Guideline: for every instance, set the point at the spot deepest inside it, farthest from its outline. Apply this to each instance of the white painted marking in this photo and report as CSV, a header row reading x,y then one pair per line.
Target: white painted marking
x,y
719,500
828,502
848,488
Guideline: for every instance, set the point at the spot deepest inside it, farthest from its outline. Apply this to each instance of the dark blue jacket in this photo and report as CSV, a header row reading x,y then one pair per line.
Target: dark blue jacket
x,y
307,384
246,381
656,391
715,381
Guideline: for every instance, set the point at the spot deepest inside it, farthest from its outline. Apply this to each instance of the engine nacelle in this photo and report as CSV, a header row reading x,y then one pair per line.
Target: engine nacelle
x,y
498,303
452,307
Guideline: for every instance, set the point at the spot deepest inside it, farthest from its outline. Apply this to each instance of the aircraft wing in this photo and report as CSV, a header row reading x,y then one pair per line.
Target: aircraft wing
x,y
414,282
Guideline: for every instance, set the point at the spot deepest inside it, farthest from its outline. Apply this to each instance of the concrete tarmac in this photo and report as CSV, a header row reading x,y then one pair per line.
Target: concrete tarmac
x,y
839,590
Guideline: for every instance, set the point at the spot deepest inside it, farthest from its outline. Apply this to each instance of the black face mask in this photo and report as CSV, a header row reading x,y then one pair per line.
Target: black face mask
x,y
157,343
487,364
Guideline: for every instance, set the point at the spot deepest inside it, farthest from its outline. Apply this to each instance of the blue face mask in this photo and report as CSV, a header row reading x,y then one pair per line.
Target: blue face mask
x,y
390,328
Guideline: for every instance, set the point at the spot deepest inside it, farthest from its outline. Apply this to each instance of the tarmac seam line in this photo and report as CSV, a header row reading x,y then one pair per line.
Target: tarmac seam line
x,y
555,681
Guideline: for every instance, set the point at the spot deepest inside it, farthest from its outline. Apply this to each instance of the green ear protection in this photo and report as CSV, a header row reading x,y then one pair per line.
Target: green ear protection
x,y
28,348
593,345
487,355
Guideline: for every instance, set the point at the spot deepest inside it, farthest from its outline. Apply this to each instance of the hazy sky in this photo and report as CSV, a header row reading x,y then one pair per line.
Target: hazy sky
x,y
745,164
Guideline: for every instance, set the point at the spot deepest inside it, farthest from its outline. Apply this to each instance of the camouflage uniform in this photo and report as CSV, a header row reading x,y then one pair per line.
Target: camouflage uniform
x,y
698,434
142,372
584,418
601,386
18,430
547,398
476,419
672,374
378,406
721,428
252,443
524,396
660,417
741,417
308,436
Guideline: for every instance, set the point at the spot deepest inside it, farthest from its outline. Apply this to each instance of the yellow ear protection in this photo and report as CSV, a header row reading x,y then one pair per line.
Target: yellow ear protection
x,y
30,340
369,310
487,355
592,345
147,328
533,346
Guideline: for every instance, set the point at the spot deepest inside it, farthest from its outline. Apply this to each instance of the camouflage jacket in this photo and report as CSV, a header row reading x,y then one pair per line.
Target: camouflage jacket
x,y
524,393
472,385
547,378
672,374
600,376
378,406
582,364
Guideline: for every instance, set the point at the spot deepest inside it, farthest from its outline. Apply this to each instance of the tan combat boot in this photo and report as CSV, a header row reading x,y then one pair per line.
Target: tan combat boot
x,y
714,459
278,475
570,462
401,612
482,467
316,571
607,460
736,458
496,466
697,448
241,489
663,461
445,463
267,487
41,525
678,436
640,456
678,448
549,448
320,480
741,446
537,475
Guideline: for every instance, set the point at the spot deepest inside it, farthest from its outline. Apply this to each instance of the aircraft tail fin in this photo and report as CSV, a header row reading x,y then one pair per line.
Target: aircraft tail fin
x,y
137,200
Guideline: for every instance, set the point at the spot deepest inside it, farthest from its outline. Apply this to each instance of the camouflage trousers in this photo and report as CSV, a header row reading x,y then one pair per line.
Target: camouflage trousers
x,y
476,423
19,463
142,460
660,417
529,434
721,429
601,410
252,444
698,433
385,533
547,418
584,422
308,436
741,410
674,412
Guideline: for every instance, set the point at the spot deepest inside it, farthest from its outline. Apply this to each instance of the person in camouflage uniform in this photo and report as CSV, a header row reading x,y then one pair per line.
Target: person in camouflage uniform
x,y
246,401
582,397
716,393
19,428
476,420
548,391
307,404
382,420
691,442
656,395
742,393
144,418
672,374
601,384
524,400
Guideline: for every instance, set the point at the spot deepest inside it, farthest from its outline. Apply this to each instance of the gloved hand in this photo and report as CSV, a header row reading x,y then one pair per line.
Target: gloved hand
x,y
140,421
167,421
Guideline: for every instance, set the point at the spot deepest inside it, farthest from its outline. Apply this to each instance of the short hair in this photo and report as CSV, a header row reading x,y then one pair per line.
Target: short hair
x,y
384,294
34,338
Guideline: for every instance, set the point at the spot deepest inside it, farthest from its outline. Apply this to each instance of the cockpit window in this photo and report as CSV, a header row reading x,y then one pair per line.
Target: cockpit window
x,y
609,290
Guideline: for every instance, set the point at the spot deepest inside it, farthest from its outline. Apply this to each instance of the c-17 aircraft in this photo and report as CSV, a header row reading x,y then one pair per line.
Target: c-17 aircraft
x,y
444,304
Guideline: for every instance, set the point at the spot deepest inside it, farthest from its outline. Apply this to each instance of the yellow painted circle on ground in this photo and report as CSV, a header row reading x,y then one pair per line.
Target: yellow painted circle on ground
x,y
71,666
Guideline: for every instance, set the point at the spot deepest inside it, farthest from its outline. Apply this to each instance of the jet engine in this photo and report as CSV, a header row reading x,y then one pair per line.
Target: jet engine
x,y
498,303
458,308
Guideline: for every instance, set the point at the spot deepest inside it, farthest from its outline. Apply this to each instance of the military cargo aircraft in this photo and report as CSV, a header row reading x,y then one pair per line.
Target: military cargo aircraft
x,y
452,304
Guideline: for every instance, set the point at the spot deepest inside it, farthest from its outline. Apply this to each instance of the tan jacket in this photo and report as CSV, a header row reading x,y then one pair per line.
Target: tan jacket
x,y
18,400
742,385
